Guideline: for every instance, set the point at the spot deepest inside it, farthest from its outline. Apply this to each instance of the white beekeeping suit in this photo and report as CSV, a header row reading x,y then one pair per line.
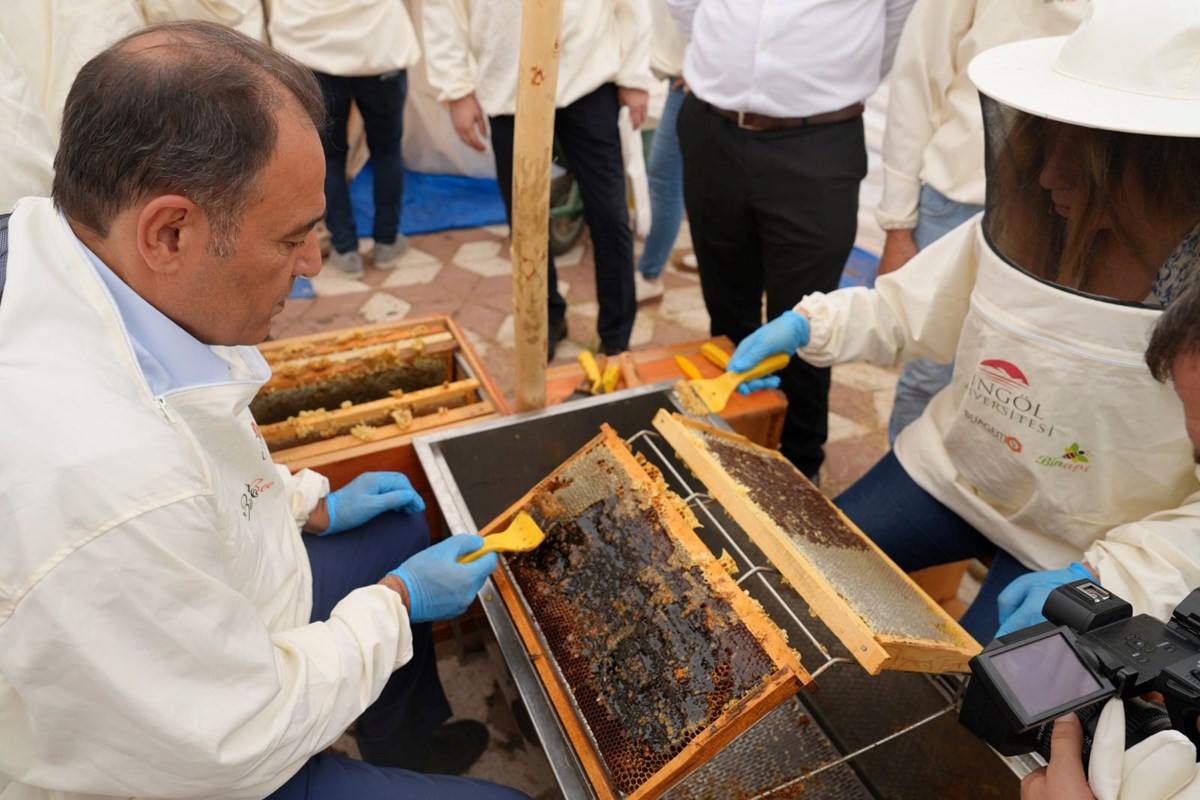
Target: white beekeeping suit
x,y
241,15
52,39
27,164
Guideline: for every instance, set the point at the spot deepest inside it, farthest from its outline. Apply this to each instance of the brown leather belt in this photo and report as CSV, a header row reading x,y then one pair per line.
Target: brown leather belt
x,y
761,122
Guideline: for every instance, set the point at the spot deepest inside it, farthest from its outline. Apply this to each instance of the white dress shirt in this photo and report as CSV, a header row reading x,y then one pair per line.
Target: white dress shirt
x,y
788,58
348,38
474,46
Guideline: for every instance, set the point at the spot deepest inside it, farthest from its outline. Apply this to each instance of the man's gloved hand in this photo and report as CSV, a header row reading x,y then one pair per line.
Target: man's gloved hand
x,y
1159,767
1022,600
368,496
787,333
438,586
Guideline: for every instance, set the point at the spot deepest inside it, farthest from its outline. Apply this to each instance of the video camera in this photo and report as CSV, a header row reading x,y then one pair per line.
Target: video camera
x,y
1092,648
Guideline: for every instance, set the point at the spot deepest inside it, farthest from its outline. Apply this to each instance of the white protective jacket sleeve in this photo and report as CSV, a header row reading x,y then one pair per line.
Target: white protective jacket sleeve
x,y
634,34
924,69
449,64
1161,767
915,316
27,163
175,704
303,491
245,16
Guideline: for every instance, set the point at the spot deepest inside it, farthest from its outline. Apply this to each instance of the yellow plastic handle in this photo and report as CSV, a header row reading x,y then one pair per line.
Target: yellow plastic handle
x,y
612,374
715,354
689,370
592,370
765,367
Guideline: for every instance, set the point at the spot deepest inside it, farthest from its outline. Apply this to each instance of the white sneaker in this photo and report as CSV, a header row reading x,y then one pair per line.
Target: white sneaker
x,y
349,264
387,256
646,290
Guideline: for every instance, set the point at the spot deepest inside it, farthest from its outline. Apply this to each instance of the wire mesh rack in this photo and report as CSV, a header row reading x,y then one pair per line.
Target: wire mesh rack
x,y
754,575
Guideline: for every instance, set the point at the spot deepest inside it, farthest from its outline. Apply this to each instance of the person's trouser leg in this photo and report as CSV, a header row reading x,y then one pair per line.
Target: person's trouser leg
x,y
804,195
339,216
664,171
922,379
724,231
502,147
916,531
380,100
587,130
327,777
412,704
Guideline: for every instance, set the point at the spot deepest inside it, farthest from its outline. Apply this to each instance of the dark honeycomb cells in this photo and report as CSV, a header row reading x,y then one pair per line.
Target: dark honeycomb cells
x,y
651,653
869,584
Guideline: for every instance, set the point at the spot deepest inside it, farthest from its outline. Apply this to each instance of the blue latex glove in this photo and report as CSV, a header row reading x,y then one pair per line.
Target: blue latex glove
x,y
438,586
368,496
787,333
1022,600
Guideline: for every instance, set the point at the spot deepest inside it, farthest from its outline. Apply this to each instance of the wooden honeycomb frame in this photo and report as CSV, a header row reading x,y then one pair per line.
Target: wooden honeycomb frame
x,y
874,650
786,679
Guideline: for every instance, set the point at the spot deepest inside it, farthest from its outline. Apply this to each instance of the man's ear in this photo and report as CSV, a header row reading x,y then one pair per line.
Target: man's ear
x,y
170,230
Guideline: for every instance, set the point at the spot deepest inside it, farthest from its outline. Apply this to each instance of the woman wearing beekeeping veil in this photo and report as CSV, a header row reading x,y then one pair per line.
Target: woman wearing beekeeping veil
x,y
1053,452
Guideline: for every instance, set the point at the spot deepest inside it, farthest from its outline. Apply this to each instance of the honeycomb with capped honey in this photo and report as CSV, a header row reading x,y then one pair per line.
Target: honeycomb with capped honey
x,y
869,583
650,649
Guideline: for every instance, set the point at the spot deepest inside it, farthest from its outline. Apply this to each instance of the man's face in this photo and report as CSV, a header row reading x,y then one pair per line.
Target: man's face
x,y
1186,374
236,298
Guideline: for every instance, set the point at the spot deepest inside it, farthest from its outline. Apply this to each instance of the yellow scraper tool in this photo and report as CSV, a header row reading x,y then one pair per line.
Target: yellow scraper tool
x,y
520,537
715,391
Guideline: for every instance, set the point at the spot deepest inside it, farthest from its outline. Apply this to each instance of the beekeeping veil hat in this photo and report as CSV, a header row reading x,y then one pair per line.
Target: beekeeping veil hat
x,y
1132,65
1126,84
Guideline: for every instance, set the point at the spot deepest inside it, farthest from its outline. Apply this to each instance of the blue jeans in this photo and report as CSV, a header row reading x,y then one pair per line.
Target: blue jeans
x,y
922,379
411,701
665,173
380,100
917,531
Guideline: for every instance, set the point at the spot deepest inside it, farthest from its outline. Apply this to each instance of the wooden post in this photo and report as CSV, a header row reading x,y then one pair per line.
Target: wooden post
x,y
533,141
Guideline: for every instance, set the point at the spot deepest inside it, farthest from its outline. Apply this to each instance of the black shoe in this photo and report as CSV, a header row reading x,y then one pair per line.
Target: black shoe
x,y
612,349
451,750
558,332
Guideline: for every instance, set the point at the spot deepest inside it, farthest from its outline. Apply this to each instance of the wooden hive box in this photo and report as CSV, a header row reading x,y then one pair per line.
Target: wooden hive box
x,y
758,416
653,658
870,604
350,401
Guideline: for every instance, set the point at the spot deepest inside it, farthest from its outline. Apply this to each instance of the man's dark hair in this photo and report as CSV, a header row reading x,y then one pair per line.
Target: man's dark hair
x,y
1177,332
186,108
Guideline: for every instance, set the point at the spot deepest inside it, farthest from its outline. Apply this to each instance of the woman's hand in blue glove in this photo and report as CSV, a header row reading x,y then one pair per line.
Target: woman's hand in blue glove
x,y
1022,600
787,333
438,586
368,496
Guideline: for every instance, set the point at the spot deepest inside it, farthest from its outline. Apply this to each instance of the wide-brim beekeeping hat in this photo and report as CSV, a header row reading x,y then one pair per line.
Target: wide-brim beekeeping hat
x,y
1132,65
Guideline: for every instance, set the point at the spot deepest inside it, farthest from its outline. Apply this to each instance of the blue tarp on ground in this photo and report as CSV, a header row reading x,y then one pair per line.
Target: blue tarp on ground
x,y
431,202
860,269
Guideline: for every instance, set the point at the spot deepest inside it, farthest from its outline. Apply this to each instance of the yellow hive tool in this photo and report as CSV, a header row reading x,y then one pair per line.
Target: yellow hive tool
x,y
689,370
715,391
715,354
520,537
592,370
612,375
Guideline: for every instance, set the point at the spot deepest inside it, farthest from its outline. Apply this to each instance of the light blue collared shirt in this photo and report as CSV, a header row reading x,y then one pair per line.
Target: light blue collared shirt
x,y
170,357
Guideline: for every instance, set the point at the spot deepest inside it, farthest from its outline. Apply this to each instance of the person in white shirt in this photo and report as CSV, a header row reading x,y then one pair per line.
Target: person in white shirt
x,y
472,48
165,628
1053,451
933,142
245,16
773,154
360,52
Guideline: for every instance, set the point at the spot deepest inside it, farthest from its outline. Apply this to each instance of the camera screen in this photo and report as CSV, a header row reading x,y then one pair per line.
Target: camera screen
x,y
1044,674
